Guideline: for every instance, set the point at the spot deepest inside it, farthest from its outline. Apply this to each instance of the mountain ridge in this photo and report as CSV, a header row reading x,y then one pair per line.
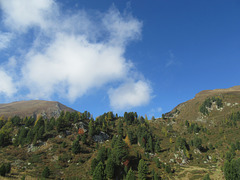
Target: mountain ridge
x,y
45,108
190,109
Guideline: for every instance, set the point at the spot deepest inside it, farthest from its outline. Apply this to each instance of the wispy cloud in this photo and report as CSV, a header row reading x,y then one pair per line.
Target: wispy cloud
x,y
5,39
73,53
171,61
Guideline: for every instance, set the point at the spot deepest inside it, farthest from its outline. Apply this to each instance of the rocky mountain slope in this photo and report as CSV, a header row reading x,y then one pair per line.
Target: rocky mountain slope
x,y
190,110
33,108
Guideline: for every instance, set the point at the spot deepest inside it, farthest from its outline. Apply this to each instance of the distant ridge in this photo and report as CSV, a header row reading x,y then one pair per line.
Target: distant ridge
x,y
33,108
189,110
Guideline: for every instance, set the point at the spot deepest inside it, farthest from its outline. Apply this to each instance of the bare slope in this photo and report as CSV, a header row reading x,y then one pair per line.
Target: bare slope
x,y
189,110
33,108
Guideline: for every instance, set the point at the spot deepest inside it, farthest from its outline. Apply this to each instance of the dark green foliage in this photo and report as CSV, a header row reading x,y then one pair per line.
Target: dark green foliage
x,y
61,124
158,164
206,177
114,140
142,170
91,129
197,142
130,175
195,128
2,170
102,154
211,147
233,118
157,146
84,138
132,137
186,123
238,145
120,128
145,138
181,143
2,139
22,134
168,168
155,177
8,168
110,168
120,151
76,147
232,169
229,155
94,164
30,136
29,122
98,173
2,123
218,101
208,103
46,172
16,120
130,118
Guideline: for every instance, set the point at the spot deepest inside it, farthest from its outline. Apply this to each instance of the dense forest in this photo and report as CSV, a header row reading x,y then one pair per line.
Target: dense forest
x,y
77,146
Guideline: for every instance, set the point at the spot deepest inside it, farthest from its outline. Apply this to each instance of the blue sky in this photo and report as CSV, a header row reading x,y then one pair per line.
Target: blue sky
x,y
117,55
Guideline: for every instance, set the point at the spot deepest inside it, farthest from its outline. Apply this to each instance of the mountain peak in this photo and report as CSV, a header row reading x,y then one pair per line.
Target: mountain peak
x,y
33,108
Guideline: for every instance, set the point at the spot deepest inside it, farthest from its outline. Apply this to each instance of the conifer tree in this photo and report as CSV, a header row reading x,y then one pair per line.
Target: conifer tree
x,y
110,167
76,147
91,129
2,170
46,172
98,173
130,175
94,164
142,170
120,151
8,168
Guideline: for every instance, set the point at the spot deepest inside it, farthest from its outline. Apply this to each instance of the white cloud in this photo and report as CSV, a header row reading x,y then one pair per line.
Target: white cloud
x,y
130,94
7,86
5,39
122,28
72,54
74,65
22,14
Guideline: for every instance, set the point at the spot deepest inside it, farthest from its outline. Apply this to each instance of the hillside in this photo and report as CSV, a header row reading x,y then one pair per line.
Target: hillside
x,y
189,110
198,139
33,108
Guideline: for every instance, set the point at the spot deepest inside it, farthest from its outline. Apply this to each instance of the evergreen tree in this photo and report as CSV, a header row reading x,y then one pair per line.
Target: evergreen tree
x,y
157,147
2,170
102,154
130,175
76,147
110,167
98,173
142,170
114,140
46,172
206,177
94,164
91,129
120,151
232,169
30,136
8,168
150,144
2,139
120,128
155,177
